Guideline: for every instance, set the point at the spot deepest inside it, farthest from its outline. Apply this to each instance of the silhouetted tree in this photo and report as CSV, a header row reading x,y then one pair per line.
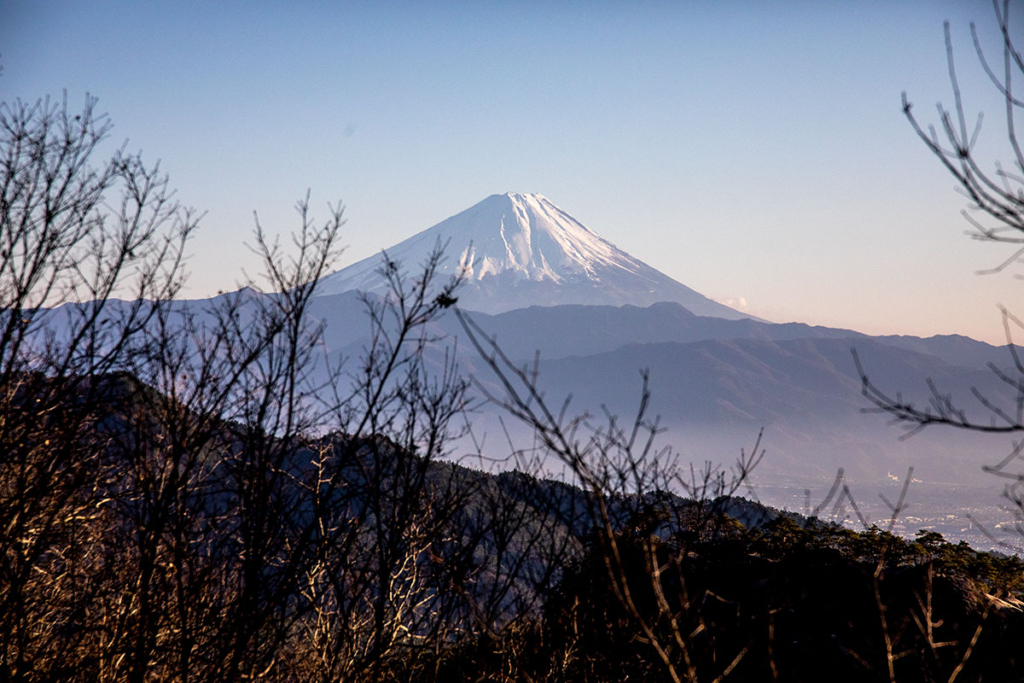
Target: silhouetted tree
x,y
75,232
997,194
633,488
996,213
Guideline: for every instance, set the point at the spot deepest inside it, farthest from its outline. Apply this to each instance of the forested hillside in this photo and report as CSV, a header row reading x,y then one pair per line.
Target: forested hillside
x,y
243,555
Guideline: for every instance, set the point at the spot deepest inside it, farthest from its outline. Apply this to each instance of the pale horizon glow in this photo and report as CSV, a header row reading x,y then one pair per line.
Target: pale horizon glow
x,y
755,152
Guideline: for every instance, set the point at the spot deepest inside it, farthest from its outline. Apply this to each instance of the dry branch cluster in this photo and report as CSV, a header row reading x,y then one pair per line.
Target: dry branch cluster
x,y
196,492
193,490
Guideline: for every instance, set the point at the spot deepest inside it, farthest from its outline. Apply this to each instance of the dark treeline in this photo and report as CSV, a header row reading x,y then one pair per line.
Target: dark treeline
x,y
343,558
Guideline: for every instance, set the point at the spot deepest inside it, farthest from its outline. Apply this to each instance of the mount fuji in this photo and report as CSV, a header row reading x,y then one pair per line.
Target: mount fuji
x,y
550,291
519,250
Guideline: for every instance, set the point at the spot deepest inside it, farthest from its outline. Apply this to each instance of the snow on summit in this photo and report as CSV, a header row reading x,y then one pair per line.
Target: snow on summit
x,y
518,250
534,239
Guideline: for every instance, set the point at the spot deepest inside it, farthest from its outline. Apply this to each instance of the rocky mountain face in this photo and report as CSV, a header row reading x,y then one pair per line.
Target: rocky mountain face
x,y
518,250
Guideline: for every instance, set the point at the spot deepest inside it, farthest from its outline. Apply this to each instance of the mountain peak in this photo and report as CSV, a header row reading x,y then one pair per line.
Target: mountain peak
x,y
516,250
518,196
525,236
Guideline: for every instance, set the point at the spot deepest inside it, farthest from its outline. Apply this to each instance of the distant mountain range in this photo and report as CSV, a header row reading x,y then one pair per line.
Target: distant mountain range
x,y
715,383
537,281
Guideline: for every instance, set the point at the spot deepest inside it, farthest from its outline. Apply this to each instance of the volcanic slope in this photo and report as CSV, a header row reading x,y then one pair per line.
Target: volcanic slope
x,y
519,250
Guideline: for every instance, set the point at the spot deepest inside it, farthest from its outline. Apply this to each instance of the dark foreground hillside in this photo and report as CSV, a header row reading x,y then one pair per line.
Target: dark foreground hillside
x,y
200,549
779,603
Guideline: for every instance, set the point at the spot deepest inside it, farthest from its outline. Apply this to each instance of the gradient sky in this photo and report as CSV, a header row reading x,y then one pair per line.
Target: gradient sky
x,y
751,150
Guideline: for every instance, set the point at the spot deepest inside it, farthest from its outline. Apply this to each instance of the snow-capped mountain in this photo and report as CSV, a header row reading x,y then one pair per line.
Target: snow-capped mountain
x,y
520,250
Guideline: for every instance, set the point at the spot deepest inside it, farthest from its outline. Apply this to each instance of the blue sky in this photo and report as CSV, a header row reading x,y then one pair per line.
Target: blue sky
x,y
748,149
